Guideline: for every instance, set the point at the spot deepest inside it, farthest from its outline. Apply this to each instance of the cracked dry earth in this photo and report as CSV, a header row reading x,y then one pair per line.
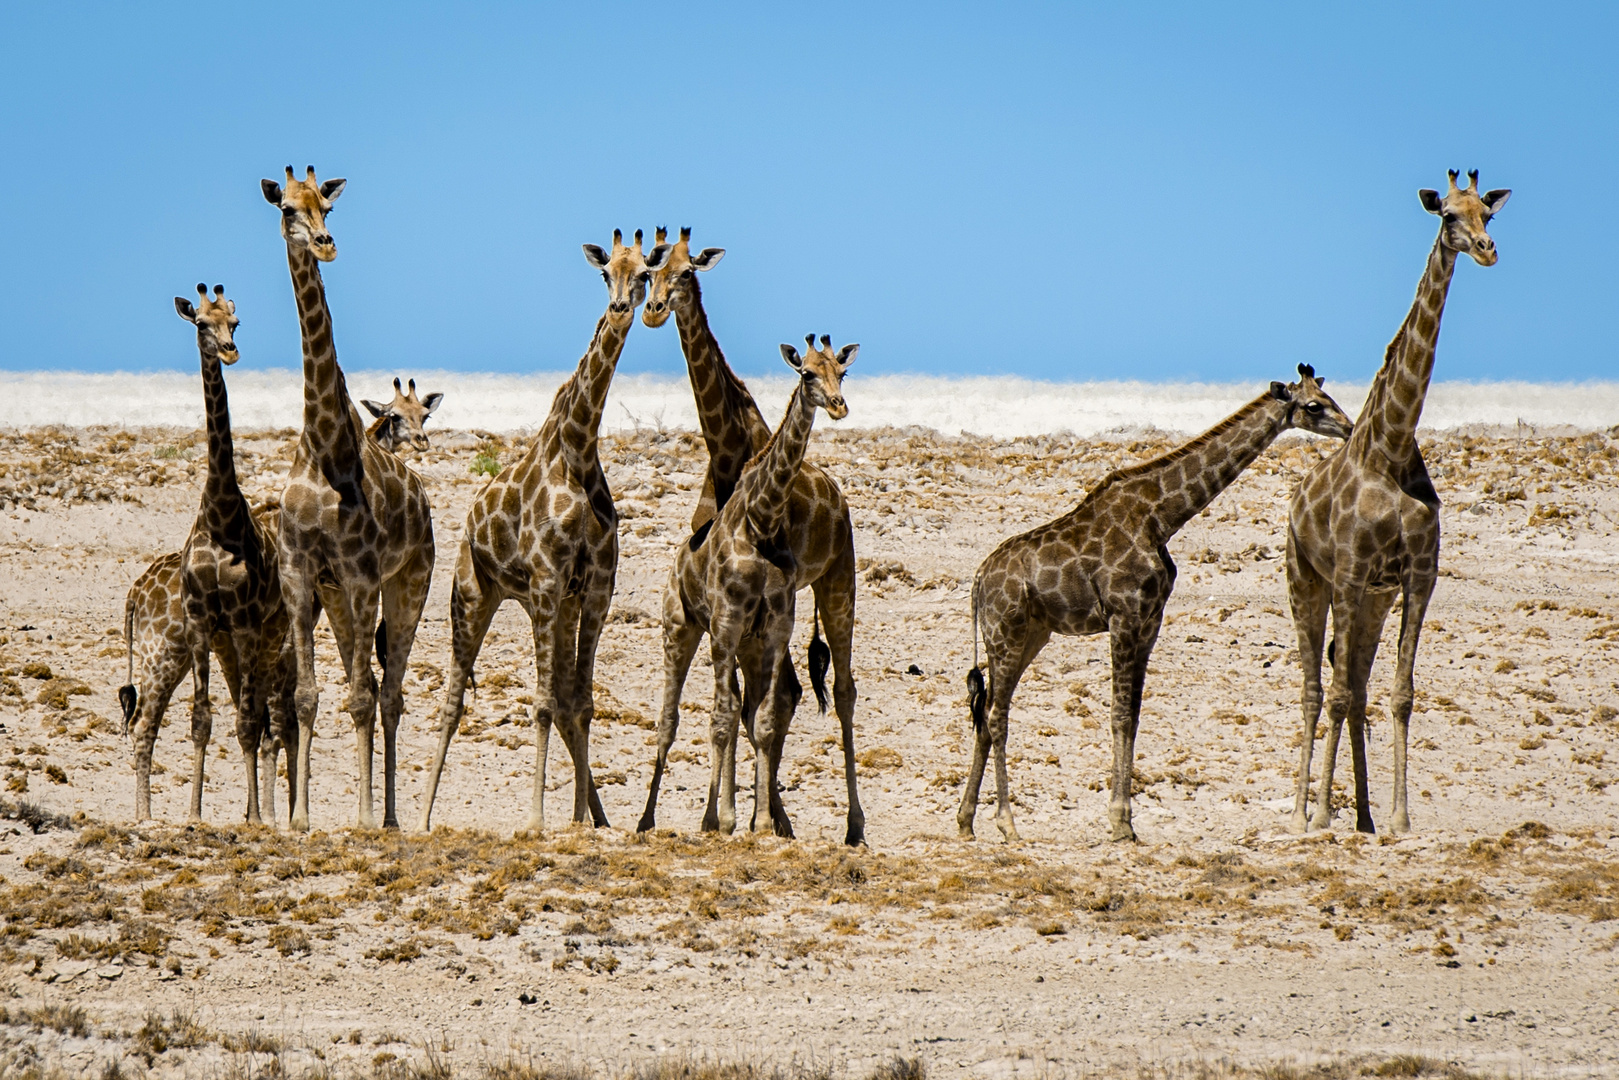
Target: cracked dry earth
x,y
1487,937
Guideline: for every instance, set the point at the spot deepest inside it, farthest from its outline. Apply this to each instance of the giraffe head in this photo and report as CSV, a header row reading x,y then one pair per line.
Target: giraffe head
x,y
674,284
1310,408
304,205
403,418
822,372
626,271
1466,214
215,320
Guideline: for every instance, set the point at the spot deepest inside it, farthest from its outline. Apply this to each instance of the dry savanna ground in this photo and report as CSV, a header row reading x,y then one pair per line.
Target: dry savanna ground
x,y
1482,943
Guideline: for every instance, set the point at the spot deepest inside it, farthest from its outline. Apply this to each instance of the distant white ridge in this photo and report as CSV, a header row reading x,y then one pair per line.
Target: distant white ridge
x,y
994,406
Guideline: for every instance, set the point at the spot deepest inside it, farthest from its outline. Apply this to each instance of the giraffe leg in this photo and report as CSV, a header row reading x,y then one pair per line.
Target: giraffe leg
x,y
161,675
1131,638
1345,604
724,721
202,721
544,605
786,692
575,737
1309,598
299,596
473,602
1368,631
363,604
1414,609
680,642
770,730
1000,723
403,597
250,710
975,779
593,608
834,598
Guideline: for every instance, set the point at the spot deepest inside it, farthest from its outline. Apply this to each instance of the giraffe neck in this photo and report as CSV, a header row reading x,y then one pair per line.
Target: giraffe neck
x,y
328,430
733,427
1388,421
221,495
769,479
1187,479
576,413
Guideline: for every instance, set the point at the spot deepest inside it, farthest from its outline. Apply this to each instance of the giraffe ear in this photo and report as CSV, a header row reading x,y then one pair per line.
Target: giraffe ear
x,y
1430,200
790,354
707,259
431,402
658,256
183,306
1496,199
595,256
378,411
1280,392
847,354
331,189
272,192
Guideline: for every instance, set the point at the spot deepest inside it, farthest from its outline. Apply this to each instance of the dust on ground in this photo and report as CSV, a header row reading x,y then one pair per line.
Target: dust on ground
x,y
1487,938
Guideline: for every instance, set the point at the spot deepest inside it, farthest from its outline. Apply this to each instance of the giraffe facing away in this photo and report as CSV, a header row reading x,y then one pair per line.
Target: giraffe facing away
x,y
356,527
737,584
230,585
544,532
400,422
818,530
1363,527
1105,566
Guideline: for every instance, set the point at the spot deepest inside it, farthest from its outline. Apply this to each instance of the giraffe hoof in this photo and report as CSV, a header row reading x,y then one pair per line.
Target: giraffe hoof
x,y
1124,832
646,824
1299,825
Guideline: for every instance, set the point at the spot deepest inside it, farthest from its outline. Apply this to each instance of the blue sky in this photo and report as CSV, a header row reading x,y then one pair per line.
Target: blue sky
x,y
1063,192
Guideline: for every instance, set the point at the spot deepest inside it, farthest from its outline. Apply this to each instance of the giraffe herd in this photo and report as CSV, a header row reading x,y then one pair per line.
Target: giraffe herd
x,y
352,537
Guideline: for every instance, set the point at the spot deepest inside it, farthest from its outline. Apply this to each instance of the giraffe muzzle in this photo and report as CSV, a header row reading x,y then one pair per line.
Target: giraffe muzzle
x,y
1484,251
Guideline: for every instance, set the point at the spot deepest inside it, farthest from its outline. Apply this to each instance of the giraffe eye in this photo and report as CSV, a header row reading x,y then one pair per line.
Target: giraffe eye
x,y
684,274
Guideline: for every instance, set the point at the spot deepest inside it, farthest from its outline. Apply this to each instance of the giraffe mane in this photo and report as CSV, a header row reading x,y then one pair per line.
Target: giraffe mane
x,y
1186,449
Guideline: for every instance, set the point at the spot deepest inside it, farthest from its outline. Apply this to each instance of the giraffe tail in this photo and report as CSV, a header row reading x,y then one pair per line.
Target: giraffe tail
x,y
819,658
977,697
127,696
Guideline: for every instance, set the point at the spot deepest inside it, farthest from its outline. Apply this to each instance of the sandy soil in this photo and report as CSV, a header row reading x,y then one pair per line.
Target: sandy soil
x,y
1487,937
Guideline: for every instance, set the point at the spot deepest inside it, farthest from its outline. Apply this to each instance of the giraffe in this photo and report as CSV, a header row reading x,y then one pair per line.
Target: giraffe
x,y
736,582
819,530
1105,566
356,527
229,583
1363,527
544,532
399,423
158,649
154,630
